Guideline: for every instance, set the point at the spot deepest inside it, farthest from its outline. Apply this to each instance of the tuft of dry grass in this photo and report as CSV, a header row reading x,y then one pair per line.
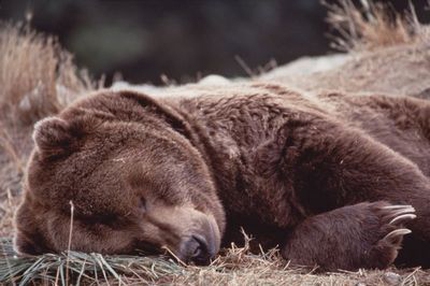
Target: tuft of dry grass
x,y
370,25
236,266
8,204
387,52
37,76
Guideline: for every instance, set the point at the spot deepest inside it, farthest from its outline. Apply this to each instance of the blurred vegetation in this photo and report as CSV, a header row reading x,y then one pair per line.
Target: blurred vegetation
x,y
182,39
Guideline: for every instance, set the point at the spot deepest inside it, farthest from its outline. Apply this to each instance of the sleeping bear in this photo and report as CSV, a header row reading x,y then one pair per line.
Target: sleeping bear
x,y
336,180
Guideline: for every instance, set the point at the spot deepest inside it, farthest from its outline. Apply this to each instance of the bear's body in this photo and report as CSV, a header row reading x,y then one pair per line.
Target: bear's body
x,y
330,178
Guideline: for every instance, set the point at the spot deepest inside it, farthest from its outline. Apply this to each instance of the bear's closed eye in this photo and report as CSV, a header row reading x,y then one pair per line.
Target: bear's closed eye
x,y
98,219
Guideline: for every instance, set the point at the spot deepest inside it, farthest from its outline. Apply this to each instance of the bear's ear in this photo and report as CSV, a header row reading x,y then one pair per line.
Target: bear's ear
x,y
53,136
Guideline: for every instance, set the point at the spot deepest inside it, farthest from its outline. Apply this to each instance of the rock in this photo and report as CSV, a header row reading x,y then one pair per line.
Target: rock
x,y
392,278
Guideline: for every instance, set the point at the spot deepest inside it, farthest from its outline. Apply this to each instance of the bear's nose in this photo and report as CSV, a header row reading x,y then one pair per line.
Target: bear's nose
x,y
198,251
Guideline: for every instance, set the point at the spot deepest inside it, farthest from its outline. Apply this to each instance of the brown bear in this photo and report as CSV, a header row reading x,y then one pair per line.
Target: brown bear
x,y
331,178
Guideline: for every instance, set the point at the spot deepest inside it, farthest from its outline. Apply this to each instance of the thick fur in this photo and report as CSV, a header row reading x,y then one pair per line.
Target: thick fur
x,y
328,177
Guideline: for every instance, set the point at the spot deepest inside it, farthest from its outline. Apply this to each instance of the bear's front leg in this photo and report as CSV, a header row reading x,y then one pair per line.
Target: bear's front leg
x,y
365,235
334,165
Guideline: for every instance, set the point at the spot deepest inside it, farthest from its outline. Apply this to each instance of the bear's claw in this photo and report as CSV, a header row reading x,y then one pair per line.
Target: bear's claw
x,y
402,217
397,232
392,219
391,207
400,213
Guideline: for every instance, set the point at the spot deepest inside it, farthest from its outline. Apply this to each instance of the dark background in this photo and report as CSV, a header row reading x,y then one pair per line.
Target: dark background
x,y
183,39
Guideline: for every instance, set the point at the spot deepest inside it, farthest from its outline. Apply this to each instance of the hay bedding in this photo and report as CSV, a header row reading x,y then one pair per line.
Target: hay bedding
x,y
236,266
38,78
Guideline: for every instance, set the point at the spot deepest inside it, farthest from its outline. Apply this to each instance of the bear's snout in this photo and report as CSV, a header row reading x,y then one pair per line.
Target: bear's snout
x,y
197,250
195,235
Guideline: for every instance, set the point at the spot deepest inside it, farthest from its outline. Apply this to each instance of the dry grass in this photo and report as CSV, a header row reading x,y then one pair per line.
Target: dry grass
x,y
37,76
387,53
370,26
236,266
8,204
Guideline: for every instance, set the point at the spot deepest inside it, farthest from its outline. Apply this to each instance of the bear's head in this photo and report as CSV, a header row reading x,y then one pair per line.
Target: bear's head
x,y
115,173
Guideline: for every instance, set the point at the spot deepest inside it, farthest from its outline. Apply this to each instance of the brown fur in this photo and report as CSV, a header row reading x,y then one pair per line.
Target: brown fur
x,y
314,174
